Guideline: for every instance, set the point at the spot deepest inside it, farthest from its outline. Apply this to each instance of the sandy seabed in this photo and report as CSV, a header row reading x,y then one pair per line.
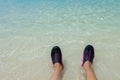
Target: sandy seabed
x,y
28,33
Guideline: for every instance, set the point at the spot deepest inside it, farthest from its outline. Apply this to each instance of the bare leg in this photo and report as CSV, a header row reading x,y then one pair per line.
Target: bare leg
x,y
89,71
57,71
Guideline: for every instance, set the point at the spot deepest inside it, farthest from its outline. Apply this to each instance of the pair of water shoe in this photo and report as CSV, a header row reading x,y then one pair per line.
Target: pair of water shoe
x,y
88,55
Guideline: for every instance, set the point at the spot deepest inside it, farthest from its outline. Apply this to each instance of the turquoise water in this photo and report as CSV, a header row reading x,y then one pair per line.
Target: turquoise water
x,y
30,28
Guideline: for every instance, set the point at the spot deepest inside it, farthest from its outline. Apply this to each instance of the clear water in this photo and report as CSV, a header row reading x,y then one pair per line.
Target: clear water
x,y
30,28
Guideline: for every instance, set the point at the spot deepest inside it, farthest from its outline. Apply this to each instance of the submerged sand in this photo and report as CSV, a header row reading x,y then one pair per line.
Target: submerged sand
x,y
28,33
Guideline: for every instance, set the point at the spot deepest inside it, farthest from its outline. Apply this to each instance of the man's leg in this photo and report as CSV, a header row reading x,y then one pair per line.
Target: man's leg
x,y
89,71
56,57
57,71
88,56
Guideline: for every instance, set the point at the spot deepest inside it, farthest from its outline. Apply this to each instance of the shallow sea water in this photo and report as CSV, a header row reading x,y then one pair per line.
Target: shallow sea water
x,y
30,28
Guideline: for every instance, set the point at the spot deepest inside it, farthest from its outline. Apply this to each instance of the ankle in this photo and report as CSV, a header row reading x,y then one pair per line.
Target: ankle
x,y
87,65
58,66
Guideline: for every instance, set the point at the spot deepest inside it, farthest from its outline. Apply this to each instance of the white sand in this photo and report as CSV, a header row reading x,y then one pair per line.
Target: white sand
x,y
27,34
